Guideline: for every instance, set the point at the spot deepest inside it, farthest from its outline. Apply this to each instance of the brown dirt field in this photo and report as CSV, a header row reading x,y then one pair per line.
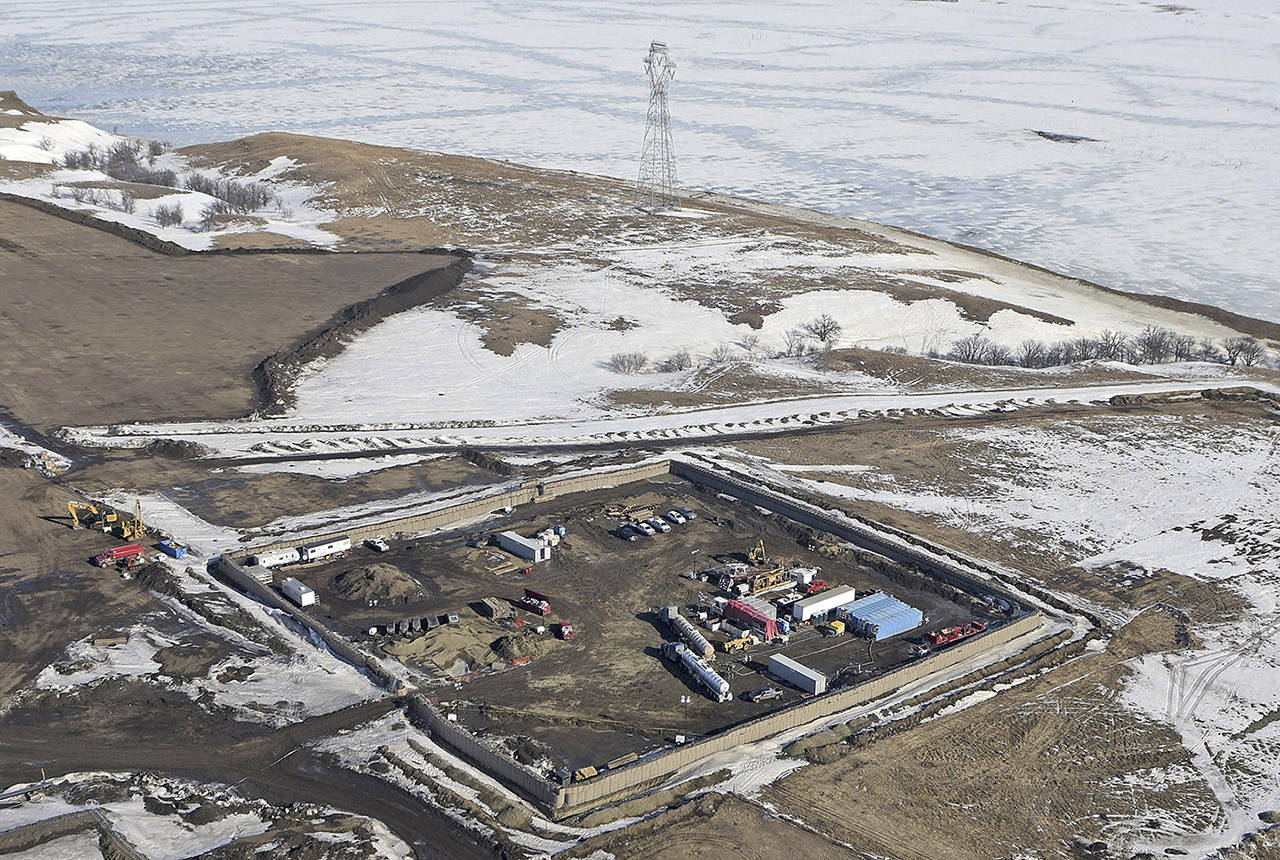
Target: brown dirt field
x,y
249,500
47,582
98,329
712,827
137,189
9,100
1025,773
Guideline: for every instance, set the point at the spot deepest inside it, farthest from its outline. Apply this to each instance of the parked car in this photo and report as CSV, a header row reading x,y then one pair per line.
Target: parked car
x,y
659,524
377,545
763,694
676,517
686,513
644,528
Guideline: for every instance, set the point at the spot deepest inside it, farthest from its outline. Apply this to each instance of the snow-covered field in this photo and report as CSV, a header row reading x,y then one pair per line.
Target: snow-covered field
x,y
285,438
1192,496
49,142
918,114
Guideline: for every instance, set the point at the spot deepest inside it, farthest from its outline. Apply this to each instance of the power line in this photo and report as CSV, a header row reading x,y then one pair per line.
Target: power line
x,y
656,188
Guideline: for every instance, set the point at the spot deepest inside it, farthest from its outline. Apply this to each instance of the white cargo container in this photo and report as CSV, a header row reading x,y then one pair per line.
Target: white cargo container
x,y
275,557
297,592
325,548
526,548
803,610
797,675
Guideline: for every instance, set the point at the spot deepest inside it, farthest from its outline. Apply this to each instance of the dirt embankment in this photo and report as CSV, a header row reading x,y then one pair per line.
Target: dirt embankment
x,y
274,376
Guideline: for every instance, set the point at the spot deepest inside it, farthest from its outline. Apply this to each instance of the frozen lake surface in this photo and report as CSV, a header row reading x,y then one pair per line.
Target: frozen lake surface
x,y
919,114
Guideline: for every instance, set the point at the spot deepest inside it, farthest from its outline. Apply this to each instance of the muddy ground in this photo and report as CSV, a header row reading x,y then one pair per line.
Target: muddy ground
x,y
609,589
226,496
98,329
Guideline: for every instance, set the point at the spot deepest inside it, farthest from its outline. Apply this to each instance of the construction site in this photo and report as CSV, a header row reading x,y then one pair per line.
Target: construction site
x,y
588,632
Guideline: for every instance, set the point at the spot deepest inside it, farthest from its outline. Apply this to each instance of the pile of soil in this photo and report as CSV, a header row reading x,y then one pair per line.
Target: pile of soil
x,y
515,646
381,582
476,643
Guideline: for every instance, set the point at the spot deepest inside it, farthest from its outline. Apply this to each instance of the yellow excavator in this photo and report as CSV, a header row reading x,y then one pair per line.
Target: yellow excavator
x,y
757,556
84,515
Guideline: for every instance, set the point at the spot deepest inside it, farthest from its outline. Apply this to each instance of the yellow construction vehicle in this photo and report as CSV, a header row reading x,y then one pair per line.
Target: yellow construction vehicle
x,y
733,646
767,580
75,508
757,556
133,529
84,515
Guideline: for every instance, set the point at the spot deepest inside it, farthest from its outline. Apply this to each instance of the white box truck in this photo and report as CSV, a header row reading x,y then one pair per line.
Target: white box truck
x,y
297,592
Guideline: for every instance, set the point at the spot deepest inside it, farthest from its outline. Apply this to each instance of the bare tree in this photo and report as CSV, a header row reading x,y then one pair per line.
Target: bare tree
x,y
824,328
722,354
1030,353
127,202
1153,344
974,349
1182,347
796,341
1208,351
1242,350
750,345
1086,348
1112,345
627,362
46,143
677,361
169,215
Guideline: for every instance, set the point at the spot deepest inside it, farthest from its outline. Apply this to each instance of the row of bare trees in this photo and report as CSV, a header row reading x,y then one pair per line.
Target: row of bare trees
x,y
821,332
132,160
1152,345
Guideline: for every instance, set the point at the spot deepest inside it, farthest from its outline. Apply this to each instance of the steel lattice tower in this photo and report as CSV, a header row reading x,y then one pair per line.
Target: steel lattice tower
x,y
656,189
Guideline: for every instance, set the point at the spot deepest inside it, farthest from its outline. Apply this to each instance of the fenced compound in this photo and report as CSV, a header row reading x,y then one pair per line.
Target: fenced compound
x,y
612,784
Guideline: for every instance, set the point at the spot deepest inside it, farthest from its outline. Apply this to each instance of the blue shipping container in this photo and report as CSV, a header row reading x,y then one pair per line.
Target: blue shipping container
x,y
879,616
172,548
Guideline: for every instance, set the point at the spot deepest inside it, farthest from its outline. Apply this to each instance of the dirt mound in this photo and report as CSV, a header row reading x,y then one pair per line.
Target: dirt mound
x,y
381,582
515,646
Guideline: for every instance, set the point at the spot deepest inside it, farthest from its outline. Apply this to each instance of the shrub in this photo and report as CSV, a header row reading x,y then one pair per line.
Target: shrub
x,y
627,362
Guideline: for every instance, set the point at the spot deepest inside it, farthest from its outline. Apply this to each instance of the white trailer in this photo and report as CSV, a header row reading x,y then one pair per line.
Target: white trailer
x,y
275,557
530,549
297,592
797,675
325,548
803,610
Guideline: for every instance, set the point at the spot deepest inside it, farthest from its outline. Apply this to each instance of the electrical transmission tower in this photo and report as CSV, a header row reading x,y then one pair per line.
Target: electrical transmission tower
x,y
656,189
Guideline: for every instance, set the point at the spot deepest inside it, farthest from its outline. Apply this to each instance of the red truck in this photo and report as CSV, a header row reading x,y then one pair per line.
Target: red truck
x,y
128,555
535,603
948,635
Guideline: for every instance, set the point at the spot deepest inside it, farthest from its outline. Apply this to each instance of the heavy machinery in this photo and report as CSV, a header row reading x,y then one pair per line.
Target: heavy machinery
x,y
84,515
132,529
734,646
949,635
757,556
